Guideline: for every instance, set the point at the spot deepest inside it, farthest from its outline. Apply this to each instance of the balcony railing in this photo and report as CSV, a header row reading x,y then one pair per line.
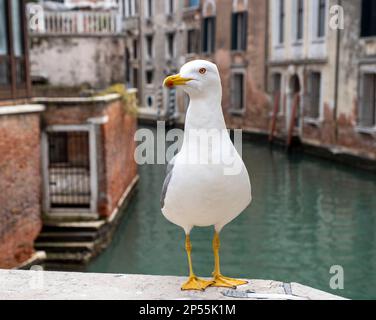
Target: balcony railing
x,y
131,23
76,22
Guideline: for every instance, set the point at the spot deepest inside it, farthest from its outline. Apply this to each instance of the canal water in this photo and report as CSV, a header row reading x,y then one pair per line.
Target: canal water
x,y
307,215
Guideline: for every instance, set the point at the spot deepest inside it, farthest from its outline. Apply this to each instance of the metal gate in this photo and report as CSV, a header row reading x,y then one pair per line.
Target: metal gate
x,y
69,170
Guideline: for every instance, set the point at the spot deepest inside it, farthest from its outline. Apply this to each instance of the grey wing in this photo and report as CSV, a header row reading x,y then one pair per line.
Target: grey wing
x,y
170,167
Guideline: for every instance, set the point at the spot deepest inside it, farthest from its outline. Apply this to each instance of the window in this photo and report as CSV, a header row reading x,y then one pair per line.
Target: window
x,y
4,64
14,82
149,46
69,170
170,45
170,6
193,3
281,21
321,19
367,110
149,8
208,39
368,26
3,29
299,20
129,8
127,67
314,91
18,41
239,31
149,76
237,92
149,101
192,41
135,77
135,49
277,87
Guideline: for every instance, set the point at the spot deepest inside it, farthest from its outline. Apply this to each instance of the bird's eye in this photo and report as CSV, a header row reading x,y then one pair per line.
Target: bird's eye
x,y
202,70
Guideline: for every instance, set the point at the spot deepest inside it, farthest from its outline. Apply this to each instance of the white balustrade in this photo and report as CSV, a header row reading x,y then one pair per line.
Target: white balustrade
x,y
76,22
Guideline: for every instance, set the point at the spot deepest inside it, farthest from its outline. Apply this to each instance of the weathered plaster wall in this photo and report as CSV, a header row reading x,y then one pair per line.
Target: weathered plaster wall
x,y
334,128
20,187
76,61
356,54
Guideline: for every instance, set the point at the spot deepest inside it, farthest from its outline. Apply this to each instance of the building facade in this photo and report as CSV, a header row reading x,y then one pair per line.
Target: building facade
x,y
356,107
67,163
230,33
161,52
233,35
320,74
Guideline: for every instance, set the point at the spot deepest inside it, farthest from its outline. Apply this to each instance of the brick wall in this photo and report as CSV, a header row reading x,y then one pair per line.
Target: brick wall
x,y
251,62
20,186
118,154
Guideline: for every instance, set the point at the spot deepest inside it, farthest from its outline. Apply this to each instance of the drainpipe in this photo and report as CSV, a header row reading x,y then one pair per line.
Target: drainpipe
x,y
336,90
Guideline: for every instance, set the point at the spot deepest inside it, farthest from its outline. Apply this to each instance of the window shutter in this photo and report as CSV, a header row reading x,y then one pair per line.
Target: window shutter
x,y
213,34
233,31
245,30
205,35
366,104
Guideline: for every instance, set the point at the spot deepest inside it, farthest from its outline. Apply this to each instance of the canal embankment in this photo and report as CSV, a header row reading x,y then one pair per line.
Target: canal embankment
x,y
331,152
47,285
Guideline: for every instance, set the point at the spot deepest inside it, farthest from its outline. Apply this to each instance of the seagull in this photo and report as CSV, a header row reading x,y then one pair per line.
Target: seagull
x,y
198,191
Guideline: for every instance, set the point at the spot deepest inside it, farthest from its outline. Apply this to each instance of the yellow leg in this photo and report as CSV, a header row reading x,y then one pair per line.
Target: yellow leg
x,y
193,283
219,279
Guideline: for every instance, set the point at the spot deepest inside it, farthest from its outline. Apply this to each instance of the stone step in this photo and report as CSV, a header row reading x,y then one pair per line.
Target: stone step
x,y
68,236
64,247
72,226
59,258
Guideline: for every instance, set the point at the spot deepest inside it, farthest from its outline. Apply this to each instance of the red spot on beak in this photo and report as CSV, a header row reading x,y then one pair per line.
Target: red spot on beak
x,y
170,83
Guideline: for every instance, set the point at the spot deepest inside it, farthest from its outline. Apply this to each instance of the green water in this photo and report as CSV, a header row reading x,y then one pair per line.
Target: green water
x,y
307,215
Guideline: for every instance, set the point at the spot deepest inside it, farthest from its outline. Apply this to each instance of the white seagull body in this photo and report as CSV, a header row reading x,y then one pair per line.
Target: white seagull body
x,y
200,190
200,194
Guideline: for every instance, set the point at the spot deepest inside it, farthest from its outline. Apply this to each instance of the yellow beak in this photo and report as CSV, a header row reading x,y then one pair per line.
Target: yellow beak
x,y
175,80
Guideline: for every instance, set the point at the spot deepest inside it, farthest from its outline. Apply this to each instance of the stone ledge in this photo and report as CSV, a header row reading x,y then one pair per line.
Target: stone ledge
x,y
20,109
46,285
77,100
